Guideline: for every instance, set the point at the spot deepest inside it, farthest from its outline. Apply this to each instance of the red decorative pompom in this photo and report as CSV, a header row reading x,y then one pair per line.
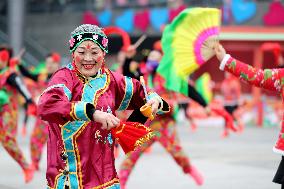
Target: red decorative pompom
x,y
56,57
4,55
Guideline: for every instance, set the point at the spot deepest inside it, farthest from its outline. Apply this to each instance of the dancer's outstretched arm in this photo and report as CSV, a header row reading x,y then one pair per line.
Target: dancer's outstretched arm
x,y
271,79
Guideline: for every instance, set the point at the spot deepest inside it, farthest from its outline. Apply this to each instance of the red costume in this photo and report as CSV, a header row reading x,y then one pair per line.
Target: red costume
x,y
271,79
79,151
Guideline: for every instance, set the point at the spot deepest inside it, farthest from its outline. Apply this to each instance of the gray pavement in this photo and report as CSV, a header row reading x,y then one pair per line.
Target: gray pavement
x,y
241,161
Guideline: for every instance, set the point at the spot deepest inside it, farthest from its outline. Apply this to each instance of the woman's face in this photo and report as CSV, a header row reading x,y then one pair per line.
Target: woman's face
x,y
88,58
153,60
51,66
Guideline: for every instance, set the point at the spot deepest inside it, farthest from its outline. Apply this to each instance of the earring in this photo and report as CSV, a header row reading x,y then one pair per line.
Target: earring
x,y
103,66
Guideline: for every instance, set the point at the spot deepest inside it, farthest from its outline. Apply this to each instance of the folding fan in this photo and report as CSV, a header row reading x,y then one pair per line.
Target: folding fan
x,y
187,44
190,38
131,135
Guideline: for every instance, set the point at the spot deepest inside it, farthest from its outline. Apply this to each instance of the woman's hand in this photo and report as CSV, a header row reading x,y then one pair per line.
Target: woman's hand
x,y
154,103
107,120
130,52
219,51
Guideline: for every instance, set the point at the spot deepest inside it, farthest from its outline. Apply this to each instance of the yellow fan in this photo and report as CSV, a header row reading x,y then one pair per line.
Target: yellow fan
x,y
188,41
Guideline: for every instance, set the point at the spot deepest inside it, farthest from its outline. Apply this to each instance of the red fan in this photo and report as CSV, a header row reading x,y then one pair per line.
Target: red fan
x,y
131,134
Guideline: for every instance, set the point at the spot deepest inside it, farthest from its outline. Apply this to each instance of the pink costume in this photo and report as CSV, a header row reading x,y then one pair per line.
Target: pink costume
x,y
80,153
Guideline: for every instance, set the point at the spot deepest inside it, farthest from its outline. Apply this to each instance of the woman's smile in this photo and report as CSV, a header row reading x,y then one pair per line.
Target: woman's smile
x,y
88,66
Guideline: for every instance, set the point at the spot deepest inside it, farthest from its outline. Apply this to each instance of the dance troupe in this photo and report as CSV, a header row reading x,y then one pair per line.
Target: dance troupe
x,y
76,112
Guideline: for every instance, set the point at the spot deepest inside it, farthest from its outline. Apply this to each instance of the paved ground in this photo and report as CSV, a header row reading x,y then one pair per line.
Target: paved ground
x,y
242,161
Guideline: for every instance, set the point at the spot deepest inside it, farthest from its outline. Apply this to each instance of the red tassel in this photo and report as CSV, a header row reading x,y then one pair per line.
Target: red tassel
x,y
103,66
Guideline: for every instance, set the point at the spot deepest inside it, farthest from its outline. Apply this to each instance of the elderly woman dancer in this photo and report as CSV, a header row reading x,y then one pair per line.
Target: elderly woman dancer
x,y
77,105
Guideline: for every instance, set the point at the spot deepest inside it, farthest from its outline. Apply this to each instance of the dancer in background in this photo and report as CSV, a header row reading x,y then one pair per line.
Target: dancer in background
x,y
231,91
40,131
271,79
210,106
164,126
10,85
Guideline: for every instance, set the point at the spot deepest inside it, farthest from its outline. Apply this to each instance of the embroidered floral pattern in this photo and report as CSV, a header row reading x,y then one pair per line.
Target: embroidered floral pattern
x,y
95,37
109,138
71,42
100,39
79,37
105,42
271,79
267,79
